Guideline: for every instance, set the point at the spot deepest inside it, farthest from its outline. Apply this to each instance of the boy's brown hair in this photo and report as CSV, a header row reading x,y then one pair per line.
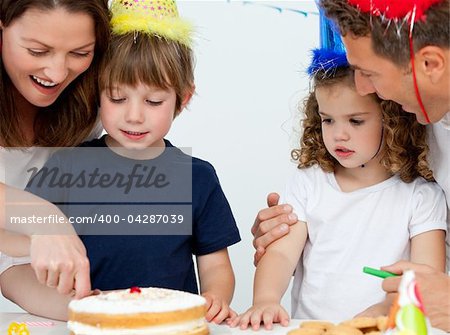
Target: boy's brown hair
x,y
389,38
135,58
405,149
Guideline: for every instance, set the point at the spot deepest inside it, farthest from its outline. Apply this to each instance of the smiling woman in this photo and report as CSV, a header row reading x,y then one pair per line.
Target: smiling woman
x,y
39,70
50,55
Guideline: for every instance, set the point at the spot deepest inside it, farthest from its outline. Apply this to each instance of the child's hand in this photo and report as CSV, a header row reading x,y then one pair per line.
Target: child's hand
x,y
381,308
218,310
374,311
267,313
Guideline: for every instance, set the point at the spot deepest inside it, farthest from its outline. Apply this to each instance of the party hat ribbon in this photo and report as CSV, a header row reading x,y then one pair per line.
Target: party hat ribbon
x,y
331,53
18,329
414,10
153,17
407,316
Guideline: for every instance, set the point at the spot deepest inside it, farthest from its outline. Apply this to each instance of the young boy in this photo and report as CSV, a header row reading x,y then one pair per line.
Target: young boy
x,y
142,206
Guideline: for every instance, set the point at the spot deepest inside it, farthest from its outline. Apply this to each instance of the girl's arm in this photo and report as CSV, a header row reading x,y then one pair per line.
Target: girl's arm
x,y
216,284
272,277
19,284
429,210
429,248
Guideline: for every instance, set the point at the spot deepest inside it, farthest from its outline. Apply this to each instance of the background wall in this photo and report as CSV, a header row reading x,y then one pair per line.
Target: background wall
x,y
250,76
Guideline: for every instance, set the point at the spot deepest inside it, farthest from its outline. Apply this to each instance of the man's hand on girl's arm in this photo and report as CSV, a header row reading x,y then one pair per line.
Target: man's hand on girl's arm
x,y
271,224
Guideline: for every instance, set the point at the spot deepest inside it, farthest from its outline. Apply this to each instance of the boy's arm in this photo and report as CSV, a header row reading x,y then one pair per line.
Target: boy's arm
x,y
429,248
272,277
216,284
19,284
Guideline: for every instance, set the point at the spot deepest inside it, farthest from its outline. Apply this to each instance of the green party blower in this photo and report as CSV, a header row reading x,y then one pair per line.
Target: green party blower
x,y
378,273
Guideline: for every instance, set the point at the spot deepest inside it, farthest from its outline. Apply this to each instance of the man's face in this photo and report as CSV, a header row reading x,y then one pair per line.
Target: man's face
x,y
376,74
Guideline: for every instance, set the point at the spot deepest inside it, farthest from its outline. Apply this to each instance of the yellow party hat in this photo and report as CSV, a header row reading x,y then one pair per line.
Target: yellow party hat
x,y
153,17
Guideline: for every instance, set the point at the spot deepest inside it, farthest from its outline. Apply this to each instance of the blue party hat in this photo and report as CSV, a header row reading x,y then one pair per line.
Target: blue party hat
x,y
331,53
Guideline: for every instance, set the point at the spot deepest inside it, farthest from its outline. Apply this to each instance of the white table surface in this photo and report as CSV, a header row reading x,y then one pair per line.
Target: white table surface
x,y
59,328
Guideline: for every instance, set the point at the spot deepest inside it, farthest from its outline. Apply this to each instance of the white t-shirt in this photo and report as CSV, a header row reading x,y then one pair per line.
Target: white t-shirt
x,y
349,230
439,157
15,171
14,165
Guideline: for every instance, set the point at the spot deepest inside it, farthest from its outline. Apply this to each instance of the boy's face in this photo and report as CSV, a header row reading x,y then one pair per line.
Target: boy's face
x,y
351,124
137,117
375,74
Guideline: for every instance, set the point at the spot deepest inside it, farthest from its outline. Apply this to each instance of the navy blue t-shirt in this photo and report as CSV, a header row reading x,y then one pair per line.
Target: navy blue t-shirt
x,y
123,261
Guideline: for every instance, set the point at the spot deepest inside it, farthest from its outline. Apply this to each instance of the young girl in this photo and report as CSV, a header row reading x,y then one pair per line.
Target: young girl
x,y
147,79
363,195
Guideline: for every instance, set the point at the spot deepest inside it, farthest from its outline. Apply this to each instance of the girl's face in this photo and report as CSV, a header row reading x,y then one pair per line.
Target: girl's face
x,y
44,51
351,124
137,117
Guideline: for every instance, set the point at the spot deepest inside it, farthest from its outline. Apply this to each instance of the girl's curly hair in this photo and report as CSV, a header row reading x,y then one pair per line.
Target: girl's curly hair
x,y
405,149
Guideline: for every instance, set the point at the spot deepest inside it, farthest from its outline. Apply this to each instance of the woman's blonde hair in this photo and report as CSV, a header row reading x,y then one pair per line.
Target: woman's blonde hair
x,y
405,149
71,118
135,58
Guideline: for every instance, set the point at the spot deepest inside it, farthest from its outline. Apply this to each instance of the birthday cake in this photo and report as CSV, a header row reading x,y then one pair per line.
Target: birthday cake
x,y
139,311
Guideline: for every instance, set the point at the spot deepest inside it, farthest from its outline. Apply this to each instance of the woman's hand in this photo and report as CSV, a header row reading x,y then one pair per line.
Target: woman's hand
x,y
58,256
60,262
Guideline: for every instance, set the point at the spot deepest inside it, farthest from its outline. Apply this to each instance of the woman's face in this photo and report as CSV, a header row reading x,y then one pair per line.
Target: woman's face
x,y
44,51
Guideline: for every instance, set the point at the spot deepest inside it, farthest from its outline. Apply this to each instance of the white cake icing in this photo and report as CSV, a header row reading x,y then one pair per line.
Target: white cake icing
x,y
149,300
79,328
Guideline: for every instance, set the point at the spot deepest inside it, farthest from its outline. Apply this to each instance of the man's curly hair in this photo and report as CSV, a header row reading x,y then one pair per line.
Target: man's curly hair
x,y
405,149
390,38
